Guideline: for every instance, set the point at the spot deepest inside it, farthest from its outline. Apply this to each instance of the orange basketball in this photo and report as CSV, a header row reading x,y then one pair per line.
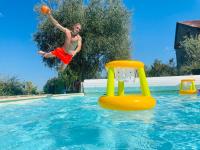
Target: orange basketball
x,y
45,9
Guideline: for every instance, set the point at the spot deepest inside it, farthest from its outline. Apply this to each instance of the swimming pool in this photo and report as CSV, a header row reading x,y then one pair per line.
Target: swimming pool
x,y
79,123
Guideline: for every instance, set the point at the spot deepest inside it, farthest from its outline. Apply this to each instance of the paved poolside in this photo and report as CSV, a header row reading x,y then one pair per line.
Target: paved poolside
x,y
4,99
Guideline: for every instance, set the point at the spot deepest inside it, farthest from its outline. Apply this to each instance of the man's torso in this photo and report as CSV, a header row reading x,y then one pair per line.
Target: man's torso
x,y
71,42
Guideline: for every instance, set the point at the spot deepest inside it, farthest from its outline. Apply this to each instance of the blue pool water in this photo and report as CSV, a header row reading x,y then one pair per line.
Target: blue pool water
x,y
79,123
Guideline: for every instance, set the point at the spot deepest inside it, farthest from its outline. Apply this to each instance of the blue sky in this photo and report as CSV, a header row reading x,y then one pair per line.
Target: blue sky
x,y
152,34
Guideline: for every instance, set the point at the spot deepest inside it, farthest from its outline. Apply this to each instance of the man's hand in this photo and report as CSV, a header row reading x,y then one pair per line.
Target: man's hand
x,y
49,12
73,53
45,10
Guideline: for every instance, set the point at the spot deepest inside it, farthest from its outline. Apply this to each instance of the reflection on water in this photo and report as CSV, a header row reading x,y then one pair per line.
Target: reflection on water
x,y
146,116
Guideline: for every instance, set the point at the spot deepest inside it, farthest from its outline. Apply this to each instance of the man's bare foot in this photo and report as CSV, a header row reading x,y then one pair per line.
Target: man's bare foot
x,y
41,53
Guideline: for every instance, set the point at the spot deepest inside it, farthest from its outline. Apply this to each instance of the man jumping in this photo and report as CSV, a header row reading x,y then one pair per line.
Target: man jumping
x,y
71,46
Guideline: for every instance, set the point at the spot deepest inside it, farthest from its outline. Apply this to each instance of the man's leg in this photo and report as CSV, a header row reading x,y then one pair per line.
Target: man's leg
x,y
63,66
41,53
46,55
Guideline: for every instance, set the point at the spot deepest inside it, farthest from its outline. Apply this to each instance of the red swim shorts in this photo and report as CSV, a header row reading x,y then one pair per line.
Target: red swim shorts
x,y
62,55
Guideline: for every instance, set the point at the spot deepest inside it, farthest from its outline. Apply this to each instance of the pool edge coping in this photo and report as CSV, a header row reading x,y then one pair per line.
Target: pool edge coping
x,y
22,98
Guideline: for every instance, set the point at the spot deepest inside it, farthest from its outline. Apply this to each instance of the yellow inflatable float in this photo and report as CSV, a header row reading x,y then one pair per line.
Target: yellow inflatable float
x,y
187,86
121,70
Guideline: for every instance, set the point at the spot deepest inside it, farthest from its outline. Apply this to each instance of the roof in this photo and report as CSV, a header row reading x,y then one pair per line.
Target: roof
x,y
194,23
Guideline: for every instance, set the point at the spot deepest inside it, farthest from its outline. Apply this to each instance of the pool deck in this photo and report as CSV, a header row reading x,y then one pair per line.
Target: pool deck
x,y
4,99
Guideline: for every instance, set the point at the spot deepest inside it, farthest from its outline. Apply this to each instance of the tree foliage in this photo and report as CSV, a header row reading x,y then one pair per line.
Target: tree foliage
x,y
158,69
105,34
54,86
12,86
191,46
29,88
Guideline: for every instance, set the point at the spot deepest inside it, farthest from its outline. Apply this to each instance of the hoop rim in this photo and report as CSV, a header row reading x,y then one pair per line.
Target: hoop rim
x,y
125,64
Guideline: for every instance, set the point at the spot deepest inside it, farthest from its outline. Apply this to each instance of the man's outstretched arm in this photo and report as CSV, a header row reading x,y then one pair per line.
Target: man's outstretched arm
x,y
56,24
79,46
